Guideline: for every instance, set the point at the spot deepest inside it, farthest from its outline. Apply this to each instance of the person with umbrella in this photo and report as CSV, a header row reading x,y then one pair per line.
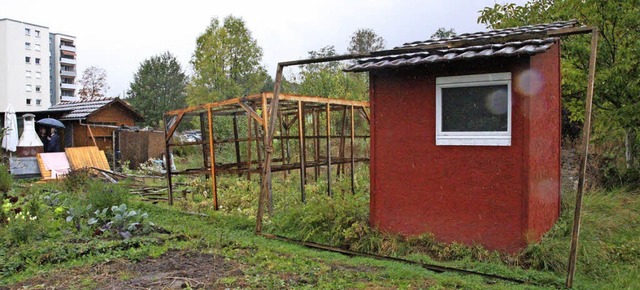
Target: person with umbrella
x,y
53,142
42,133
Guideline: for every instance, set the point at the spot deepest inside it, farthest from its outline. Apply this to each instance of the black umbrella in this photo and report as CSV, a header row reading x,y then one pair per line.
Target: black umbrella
x,y
51,122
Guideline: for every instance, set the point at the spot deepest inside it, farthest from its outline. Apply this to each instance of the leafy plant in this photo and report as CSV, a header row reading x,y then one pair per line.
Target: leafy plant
x,y
6,180
120,220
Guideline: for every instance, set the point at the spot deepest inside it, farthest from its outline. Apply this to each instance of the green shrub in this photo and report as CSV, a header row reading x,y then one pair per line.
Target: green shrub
x,y
6,180
105,195
23,228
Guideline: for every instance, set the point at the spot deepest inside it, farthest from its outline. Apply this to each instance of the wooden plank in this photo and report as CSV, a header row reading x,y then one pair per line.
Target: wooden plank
x,y
353,187
319,100
303,155
212,157
329,150
252,113
586,134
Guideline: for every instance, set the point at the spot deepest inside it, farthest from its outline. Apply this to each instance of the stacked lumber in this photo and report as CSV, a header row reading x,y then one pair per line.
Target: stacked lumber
x,y
89,156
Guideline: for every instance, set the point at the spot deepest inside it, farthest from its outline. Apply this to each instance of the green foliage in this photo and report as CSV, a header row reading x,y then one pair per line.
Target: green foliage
x,y
101,195
158,86
121,221
6,180
226,63
617,86
443,33
328,79
365,40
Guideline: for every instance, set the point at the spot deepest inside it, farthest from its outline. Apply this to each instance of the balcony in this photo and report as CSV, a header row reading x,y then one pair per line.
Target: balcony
x,y
68,73
68,86
67,60
67,48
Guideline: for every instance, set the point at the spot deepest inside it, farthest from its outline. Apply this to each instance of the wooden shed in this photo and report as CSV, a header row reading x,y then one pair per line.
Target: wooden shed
x,y
95,119
465,138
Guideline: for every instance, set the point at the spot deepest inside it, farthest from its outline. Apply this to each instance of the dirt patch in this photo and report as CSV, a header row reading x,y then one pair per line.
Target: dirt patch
x,y
172,270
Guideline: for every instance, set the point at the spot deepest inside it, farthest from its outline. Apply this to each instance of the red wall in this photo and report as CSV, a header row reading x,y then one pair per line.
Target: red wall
x,y
468,194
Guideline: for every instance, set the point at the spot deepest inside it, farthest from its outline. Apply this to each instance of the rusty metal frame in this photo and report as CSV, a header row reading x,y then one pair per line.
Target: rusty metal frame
x,y
294,106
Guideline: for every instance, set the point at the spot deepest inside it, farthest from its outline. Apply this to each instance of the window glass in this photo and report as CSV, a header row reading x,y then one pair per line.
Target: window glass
x,y
475,109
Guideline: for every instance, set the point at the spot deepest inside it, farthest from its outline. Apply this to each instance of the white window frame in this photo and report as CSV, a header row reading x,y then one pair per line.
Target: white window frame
x,y
487,138
28,88
28,73
27,32
38,88
37,47
38,75
27,45
37,60
38,33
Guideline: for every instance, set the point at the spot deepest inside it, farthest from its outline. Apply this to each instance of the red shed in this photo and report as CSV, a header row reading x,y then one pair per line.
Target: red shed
x,y
465,138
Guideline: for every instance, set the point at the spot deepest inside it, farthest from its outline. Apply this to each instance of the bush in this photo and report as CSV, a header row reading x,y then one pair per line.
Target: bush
x,y
6,180
105,195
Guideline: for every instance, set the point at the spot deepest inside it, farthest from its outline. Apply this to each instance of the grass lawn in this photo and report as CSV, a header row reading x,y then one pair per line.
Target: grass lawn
x,y
171,247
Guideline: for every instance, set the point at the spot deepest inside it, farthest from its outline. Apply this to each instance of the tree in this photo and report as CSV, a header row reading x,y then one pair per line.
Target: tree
x,y
158,86
93,82
617,86
443,33
226,63
365,40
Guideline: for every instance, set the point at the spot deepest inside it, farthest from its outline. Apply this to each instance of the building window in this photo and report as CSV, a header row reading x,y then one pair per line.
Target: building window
x,y
38,75
37,33
38,102
27,59
474,110
37,47
27,45
28,74
28,102
37,89
37,60
27,31
28,88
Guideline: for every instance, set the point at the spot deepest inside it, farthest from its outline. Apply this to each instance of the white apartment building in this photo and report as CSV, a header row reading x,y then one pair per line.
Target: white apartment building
x,y
31,64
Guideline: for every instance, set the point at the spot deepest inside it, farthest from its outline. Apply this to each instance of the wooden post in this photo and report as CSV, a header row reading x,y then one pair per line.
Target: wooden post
x,y
204,145
303,155
265,187
212,158
236,143
284,159
586,132
167,158
316,143
329,150
342,141
249,145
268,139
353,187
91,134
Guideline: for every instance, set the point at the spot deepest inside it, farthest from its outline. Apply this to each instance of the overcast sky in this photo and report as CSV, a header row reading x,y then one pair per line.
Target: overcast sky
x,y
117,35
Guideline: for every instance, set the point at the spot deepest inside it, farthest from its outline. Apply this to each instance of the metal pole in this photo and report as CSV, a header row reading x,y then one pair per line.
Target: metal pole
x,y
586,132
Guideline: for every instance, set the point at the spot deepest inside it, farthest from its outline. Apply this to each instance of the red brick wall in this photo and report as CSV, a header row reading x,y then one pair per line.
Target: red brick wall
x,y
468,194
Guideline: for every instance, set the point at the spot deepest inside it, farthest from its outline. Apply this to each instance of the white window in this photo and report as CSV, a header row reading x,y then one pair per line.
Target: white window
x,y
28,88
27,59
37,89
27,31
37,33
38,75
28,102
37,47
474,110
38,102
28,73
37,60
27,45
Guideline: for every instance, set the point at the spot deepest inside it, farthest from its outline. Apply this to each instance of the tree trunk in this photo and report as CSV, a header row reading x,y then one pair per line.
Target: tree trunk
x,y
629,146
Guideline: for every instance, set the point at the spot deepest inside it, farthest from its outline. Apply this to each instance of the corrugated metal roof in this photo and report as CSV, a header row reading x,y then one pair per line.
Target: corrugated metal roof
x,y
467,46
81,109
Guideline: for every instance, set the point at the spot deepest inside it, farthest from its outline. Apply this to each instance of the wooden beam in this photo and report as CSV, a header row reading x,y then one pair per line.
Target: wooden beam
x,y
236,144
353,187
252,113
249,145
329,150
316,143
303,155
173,127
319,100
167,158
212,157
586,133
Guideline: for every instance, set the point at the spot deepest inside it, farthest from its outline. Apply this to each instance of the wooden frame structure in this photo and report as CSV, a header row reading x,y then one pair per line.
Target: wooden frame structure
x,y
296,113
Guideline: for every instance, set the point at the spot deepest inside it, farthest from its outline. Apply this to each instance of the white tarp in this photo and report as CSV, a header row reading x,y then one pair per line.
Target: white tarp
x,y
10,140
